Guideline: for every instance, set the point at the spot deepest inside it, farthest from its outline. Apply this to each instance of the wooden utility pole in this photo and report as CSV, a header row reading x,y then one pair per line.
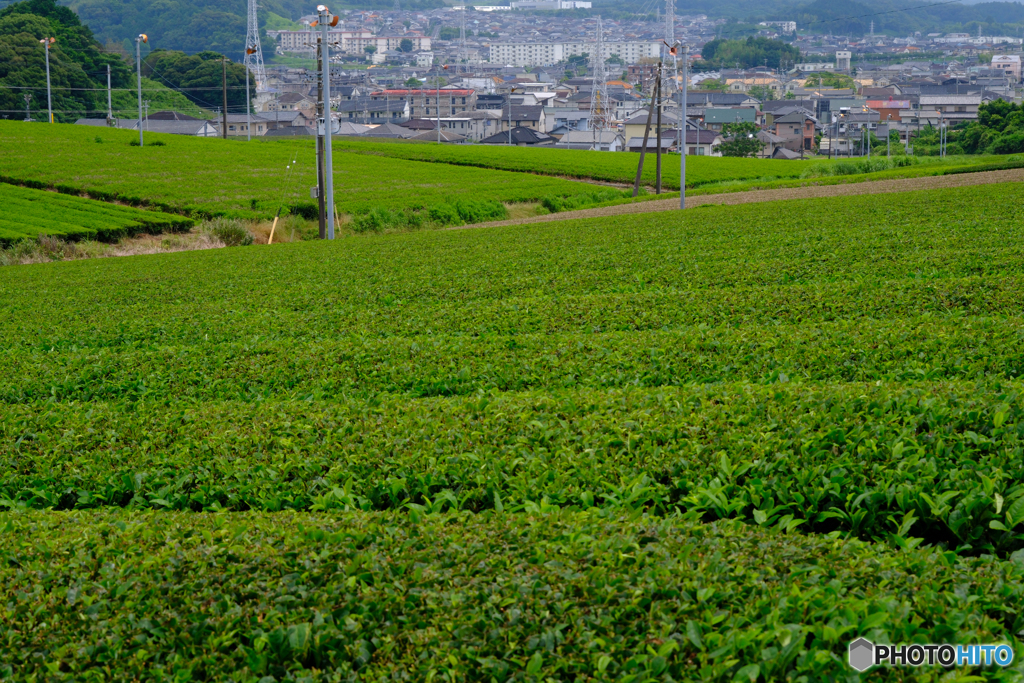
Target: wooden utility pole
x,y
647,135
224,86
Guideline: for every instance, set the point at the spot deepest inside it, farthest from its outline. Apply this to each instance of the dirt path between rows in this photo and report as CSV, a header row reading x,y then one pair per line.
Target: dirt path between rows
x,y
849,189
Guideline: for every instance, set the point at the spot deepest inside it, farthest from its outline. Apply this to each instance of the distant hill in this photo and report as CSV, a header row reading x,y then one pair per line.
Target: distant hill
x,y
196,25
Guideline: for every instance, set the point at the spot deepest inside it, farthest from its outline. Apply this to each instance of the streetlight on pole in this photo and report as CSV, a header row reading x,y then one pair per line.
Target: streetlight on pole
x,y
47,42
143,38
324,20
681,140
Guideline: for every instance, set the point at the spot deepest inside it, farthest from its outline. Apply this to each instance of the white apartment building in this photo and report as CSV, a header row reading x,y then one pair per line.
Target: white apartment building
x,y
545,54
784,26
353,42
551,4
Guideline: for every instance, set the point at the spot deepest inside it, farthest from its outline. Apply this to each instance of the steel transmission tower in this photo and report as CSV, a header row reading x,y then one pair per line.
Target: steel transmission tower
x,y
600,116
462,39
397,7
670,39
253,52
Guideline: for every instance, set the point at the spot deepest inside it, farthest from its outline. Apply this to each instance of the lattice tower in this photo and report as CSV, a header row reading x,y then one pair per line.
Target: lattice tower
x,y
253,52
600,114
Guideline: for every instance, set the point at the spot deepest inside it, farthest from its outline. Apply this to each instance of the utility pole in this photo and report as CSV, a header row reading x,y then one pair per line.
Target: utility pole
x,y
437,92
325,20
647,134
49,99
320,147
682,134
28,101
510,91
145,103
657,152
143,38
110,107
224,90
248,113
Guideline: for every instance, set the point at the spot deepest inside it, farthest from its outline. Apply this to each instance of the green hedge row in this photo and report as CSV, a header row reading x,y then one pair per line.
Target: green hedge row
x,y
493,597
938,462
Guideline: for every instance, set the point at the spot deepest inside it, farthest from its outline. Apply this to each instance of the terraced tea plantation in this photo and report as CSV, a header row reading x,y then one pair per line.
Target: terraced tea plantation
x,y
715,445
28,213
249,180
616,168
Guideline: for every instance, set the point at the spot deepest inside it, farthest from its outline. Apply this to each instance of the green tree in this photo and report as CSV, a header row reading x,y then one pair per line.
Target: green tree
x,y
413,83
199,77
742,140
448,33
746,53
615,59
370,49
762,92
827,79
405,45
77,63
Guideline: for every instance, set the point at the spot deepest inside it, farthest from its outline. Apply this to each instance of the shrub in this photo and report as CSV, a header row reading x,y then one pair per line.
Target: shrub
x,y
230,231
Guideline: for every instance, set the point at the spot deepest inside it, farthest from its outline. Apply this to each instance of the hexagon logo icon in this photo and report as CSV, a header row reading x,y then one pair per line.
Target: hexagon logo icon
x,y
862,654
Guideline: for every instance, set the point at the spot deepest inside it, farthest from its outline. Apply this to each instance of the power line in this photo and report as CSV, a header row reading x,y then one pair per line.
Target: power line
x,y
43,87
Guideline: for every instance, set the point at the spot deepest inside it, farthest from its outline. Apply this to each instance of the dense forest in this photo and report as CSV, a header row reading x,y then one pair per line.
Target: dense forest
x,y
78,70
746,53
199,77
77,64
194,26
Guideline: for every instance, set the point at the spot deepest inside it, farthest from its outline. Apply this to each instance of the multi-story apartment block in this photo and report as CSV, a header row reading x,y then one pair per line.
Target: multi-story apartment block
x,y
353,42
423,103
544,54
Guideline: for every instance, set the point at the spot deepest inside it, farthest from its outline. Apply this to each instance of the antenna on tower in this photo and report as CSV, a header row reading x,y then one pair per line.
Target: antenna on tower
x,y
253,52
600,117
872,29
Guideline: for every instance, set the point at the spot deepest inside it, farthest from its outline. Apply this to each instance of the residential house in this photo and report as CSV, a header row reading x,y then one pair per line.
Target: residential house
x,y
524,116
602,141
889,109
196,128
292,101
245,125
520,137
635,126
445,136
369,111
954,108
1009,64
715,117
795,130
703,143
388,130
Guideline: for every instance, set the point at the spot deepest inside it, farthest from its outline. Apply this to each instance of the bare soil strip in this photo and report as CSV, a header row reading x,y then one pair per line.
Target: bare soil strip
x,y
875,187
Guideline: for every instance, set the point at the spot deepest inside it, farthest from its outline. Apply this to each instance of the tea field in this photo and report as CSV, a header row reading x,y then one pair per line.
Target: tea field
x,y
235,178
714,445
616,168
26,213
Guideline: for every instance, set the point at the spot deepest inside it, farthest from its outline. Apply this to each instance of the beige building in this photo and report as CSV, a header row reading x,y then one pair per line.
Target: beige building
x,y
1008,63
